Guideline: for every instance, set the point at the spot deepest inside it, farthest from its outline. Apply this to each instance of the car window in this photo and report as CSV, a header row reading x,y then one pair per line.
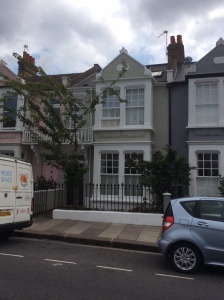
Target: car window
x,y
211,210
189,206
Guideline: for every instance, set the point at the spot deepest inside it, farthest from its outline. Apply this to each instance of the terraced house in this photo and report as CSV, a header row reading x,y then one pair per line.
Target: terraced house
x,y
177,103
16,140
206,121
137,125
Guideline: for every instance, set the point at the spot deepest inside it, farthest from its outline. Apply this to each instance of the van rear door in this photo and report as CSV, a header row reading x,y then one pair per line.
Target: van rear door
x,y
23,192
7,193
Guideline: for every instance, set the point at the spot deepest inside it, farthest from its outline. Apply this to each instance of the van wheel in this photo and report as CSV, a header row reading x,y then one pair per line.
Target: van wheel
x,y
6,235
185,258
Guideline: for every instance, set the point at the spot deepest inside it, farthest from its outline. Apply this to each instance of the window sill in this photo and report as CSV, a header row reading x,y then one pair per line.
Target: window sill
x,y
130,127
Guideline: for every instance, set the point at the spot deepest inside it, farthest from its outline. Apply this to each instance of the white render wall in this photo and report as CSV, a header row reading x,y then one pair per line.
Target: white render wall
x,y
109,217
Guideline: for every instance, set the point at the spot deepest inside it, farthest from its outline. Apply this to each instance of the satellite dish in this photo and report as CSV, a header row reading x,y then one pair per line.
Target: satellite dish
x,y
188,59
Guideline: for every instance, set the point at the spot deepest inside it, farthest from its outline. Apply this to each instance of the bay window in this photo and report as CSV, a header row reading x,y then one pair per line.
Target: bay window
x,y
111,111
109,170
135,106
132,174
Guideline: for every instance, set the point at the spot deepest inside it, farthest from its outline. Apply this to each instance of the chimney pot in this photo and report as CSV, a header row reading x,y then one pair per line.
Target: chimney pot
x,y
172,39
26,71
175,53
179,39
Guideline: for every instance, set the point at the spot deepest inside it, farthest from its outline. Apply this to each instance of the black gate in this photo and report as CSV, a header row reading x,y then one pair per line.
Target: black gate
x,y
74,194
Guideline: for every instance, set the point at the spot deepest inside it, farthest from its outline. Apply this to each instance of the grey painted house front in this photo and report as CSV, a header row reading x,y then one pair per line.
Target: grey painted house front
x,y
206,121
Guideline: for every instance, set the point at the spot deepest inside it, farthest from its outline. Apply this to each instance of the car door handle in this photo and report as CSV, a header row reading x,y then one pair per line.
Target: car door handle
x,y
19,197
203,224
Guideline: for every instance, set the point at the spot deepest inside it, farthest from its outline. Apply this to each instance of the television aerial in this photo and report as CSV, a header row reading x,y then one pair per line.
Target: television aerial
x,y
164,32
25,47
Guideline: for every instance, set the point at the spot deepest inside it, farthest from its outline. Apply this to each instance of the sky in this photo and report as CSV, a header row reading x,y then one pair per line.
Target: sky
x,y
70,36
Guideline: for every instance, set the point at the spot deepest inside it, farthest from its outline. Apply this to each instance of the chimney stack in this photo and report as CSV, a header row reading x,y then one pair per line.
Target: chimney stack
x,y
27,70
175,53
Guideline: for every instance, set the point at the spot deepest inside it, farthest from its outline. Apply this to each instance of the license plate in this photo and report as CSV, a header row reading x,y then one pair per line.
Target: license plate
x,y
5,213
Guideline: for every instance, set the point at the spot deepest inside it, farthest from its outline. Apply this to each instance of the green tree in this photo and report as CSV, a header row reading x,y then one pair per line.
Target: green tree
x,y
48,126
164,172
221,185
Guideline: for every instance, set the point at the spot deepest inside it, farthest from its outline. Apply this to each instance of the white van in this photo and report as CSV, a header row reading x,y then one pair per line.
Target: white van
x,y
16,195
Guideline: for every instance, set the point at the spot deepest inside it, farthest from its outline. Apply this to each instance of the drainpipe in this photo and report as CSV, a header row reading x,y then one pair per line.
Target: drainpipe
x,y
170,135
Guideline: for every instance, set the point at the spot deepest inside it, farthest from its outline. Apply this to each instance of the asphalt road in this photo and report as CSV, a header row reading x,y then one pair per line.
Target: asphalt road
x,y
35,269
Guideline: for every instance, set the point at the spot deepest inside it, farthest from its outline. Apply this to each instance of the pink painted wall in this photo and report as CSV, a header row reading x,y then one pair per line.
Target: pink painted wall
x,y
49,172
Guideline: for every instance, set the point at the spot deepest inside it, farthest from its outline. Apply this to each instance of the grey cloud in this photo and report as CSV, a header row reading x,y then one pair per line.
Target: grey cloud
x,y
71,38
165,12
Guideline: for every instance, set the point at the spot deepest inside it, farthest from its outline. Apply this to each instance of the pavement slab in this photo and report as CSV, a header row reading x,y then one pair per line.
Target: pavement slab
x,y
43,226
126,236
131,232
113,231
78,228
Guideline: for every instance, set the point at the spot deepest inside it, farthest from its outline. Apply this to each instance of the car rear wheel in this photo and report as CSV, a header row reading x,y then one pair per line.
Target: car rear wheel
x,y
185,258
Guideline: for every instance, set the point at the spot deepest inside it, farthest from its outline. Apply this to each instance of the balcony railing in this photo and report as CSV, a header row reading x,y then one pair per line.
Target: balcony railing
x,y
84,136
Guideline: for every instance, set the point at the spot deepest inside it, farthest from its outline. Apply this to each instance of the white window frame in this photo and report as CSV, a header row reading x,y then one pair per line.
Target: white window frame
x,y
207,173
135,106
111,111
131,174
207,164
109,168
206,103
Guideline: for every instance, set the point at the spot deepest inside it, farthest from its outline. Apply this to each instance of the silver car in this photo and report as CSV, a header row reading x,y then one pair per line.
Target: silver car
x,y
193,233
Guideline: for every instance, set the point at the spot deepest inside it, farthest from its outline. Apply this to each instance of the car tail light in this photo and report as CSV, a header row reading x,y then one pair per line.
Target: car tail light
x,y
167,222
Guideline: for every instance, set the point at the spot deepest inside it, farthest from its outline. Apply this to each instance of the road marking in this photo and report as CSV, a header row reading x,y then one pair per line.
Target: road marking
x,y
14,255
61,261
118,269
172,276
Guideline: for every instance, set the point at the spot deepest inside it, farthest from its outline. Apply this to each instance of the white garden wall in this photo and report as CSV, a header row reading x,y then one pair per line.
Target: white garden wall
x,y
110,217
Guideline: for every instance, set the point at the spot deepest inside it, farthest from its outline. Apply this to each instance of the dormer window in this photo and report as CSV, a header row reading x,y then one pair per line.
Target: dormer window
x,y
157,73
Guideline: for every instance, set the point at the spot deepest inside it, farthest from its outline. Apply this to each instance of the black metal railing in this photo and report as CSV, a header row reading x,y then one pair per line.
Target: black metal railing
x,y
129,198
119,198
